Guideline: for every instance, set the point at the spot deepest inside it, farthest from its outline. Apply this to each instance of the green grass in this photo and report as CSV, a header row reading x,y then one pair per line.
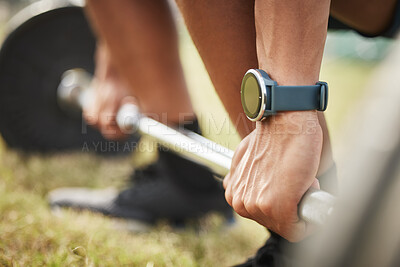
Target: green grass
x,y
30,235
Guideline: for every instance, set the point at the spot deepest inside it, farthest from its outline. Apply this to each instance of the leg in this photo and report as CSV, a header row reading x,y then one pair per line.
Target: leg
x,y
142,40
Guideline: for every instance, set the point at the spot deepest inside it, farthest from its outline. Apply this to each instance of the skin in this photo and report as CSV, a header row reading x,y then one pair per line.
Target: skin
x,y
152,69
252,192
279,157
228,52
111,90
272,198
275,165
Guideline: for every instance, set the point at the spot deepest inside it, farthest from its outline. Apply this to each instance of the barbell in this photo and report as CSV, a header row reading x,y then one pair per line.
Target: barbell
x,y
46,64
43,41
74,92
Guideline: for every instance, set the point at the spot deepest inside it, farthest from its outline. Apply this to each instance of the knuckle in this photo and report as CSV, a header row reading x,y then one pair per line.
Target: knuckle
x,y
90,117
238,206
251,206
242,212
265,206
228,196
225,182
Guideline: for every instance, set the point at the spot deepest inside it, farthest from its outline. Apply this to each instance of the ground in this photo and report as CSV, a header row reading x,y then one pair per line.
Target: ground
x,y
31,235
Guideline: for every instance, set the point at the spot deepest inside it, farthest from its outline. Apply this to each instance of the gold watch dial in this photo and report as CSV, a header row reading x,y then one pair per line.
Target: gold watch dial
x,y
251,96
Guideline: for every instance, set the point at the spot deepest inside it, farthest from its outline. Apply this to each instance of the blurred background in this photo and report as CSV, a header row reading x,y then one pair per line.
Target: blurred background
x,y
9,7
31,235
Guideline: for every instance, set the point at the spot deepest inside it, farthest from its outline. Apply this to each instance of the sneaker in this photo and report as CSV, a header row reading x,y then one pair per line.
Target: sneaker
x,y
275,252
173,189
160,191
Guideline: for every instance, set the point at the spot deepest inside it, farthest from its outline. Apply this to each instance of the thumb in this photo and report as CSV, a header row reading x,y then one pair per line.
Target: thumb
x,y
315,184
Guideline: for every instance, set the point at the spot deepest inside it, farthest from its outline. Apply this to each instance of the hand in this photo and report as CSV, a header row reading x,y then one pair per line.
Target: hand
x,y
272,169
109,94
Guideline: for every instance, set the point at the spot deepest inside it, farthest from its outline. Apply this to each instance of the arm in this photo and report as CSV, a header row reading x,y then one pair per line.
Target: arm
x,y
110,89
143,43
275,165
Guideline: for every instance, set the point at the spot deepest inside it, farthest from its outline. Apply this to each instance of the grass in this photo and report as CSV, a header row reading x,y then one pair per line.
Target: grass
x,y
30,235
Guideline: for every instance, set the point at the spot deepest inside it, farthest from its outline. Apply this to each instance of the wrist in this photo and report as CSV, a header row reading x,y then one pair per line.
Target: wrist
x,y
290,123
286,76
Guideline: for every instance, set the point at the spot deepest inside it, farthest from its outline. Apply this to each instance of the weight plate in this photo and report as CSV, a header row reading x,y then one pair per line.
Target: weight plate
x,y
32,60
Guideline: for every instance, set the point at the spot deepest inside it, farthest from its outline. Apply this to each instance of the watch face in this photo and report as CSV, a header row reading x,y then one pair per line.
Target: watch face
x,y
251,96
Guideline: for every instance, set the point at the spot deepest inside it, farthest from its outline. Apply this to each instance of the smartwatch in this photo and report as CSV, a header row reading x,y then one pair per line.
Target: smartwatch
x,y
261,96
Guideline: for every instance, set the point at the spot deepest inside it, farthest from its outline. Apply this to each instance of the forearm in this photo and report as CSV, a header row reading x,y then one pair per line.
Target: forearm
x,y
290,39
104,66
224,34
143,44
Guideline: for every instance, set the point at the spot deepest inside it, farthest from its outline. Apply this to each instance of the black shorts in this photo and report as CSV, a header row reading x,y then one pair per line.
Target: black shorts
x,y
390,32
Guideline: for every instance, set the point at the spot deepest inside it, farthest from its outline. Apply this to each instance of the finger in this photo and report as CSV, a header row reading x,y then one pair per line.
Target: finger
x,y
91,116
239,207
107,124
228,195
302,230
114,133
129,100
91,110
240,150
316,184
226,180
298,232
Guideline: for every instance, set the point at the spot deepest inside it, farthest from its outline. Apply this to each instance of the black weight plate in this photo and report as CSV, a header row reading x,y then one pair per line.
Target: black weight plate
x,y
32,60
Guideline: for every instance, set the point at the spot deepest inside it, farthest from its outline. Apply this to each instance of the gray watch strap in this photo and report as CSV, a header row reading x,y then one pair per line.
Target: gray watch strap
x,y
292,98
